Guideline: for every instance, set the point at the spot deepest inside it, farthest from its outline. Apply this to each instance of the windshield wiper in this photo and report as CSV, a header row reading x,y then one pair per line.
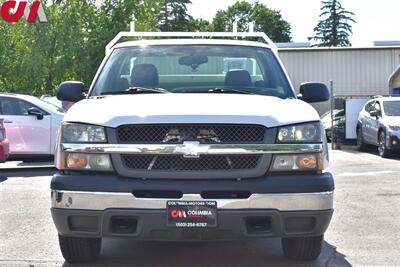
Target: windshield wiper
x,y
229,90
136,90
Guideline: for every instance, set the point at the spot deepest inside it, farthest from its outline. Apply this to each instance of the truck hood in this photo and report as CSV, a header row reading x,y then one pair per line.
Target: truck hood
x,y
115,110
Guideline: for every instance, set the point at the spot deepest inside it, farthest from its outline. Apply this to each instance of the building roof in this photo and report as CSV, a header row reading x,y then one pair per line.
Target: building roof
x,y
350,48
387,43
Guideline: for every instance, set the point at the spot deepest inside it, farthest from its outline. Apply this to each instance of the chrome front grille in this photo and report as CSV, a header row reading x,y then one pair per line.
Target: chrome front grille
x,y
190,151
204,133
179,163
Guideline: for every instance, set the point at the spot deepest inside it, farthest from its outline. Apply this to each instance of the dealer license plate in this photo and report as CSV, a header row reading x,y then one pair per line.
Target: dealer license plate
x,y
191,214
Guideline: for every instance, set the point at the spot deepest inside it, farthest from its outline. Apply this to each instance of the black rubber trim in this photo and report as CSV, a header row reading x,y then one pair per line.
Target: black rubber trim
x,y
295,183
232,224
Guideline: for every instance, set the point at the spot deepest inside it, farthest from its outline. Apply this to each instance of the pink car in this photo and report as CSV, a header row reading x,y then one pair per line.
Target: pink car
x,y
4,145
31,124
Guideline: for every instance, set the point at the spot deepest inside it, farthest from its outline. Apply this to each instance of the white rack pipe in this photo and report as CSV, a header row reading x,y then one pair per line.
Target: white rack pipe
x,y
120,35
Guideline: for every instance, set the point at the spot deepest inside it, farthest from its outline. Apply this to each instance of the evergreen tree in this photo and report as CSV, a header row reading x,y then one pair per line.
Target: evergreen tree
x,y
334,27
174,16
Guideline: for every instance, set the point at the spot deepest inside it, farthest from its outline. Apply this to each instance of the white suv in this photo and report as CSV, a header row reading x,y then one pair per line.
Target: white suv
x,y
379,125
192,139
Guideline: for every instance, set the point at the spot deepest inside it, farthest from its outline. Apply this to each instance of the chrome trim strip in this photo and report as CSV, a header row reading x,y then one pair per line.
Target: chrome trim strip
x,y
103,200
193,149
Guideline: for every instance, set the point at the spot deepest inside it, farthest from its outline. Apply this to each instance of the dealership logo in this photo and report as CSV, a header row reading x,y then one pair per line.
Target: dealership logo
x,y
190,214
13,11
178,214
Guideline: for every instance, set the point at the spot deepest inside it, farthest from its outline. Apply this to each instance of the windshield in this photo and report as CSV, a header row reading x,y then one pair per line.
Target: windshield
x,y
336,113
193,69
391,108
327,114
53,106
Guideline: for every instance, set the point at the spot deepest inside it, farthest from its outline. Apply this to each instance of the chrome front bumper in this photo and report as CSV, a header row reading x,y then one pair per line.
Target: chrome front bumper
x,y
104,200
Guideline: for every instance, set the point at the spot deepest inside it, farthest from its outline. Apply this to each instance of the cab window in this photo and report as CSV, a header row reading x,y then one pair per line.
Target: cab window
x,y
15,107
369,106
377,107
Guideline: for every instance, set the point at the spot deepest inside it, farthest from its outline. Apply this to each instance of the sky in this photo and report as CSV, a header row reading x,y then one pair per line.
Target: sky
x,y
376,20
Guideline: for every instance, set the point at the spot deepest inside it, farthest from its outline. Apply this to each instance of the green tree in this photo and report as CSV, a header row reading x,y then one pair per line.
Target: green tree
x,y
199,25
7,55
334,27
36,58
174,16
114,16
44,54
266,20
16,65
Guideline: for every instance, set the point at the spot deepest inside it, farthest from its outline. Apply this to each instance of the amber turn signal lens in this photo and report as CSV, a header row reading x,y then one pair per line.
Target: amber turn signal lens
x,y
321,165
77,161
306,162
61,161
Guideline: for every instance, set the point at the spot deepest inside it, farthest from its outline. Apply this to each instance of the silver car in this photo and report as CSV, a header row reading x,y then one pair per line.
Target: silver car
x,y
379,125
327,120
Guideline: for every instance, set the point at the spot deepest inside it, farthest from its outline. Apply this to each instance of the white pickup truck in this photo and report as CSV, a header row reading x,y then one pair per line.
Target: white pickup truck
x,y
192,139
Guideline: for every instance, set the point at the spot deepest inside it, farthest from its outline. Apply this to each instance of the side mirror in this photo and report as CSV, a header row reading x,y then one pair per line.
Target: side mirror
x,y
71,91
375,113
36,112
314,92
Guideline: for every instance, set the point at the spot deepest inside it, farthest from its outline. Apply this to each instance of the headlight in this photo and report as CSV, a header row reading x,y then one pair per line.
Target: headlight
x,y
394,127
94,162
299,162
307,132
81,133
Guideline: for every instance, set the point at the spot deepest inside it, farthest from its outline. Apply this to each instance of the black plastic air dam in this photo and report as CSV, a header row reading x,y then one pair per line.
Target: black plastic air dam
x,y
231,225
269,184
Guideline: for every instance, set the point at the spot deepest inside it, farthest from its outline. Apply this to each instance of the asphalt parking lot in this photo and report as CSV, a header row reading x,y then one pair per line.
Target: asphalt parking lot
x,y
365,229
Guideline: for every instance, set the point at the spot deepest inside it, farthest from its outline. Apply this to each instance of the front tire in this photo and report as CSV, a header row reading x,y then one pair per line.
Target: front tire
x,y
302,248
79,249
361,145
383,150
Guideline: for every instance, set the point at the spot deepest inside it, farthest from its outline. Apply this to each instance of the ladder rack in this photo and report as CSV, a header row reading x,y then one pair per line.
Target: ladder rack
x,y
132,33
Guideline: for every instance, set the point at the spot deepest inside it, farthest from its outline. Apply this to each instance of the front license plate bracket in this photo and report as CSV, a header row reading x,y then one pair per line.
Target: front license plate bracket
x,y
191,214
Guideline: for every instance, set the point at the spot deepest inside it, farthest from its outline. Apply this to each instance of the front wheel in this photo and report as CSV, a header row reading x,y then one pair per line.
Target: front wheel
x,y
79,249
361,145
302,248
383,150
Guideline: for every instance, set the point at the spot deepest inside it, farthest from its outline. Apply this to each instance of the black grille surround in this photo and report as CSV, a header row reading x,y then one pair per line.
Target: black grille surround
x,y
204,133
235,166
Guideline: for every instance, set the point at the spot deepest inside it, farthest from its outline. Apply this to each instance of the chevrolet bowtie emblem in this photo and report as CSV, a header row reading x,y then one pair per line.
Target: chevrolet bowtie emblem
x,y
191,149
